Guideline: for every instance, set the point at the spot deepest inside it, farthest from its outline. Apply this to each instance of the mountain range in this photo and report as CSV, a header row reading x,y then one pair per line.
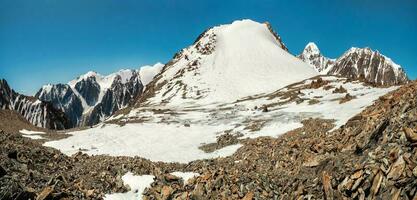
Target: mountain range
x,y
225,63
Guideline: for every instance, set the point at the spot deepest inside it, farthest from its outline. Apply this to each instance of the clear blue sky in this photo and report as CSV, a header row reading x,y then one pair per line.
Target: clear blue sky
x,y
52,41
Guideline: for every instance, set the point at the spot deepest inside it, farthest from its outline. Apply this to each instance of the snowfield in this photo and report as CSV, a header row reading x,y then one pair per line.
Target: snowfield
x,y
157,142
175,133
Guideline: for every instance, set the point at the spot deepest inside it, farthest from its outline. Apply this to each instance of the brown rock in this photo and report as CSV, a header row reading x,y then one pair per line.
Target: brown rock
x,y
415,171
396,194
166,192
171,178
312,162
357,174
46,192
327,186
376,183
248,196
410,134
89,193
396,169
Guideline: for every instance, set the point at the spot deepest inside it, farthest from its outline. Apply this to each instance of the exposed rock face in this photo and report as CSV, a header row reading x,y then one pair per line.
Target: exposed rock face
x,y
372,65
63,97
277,37
39,113
355,63
312,56
89,89
90,98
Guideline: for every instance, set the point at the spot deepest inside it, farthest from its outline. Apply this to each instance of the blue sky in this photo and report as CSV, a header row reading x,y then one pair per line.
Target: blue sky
x,y
52,41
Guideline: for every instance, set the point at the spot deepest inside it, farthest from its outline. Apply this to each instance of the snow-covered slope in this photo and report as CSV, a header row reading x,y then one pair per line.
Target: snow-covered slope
x,y
362,63
91,97
226,63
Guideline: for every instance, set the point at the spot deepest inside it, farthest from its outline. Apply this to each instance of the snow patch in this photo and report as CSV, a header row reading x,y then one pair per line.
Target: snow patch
x,y
35,135
137,185
185,175
29,132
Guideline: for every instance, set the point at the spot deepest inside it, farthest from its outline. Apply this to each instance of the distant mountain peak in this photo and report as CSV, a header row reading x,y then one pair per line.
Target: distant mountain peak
x,y
312,56
356,62
91,97
311,48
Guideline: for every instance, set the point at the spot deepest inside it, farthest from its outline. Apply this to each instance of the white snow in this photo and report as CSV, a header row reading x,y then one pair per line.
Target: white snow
x,y
35,135
137,185
29,132
157,142
247,60
185,175
148,72
164,136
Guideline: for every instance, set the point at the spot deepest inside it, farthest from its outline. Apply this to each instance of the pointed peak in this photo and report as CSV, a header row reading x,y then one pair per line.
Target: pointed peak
x,y
90,74
311,45
311,48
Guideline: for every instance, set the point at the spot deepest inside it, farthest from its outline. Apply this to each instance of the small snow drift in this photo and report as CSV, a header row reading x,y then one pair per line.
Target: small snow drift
x,y
35,135
186,176
229,62
137,185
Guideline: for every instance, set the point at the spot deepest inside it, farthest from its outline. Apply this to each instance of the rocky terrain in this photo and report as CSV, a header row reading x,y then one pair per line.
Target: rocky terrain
x,y
363,63
373,156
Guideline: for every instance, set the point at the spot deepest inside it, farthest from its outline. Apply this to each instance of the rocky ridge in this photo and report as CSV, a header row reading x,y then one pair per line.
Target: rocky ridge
x,y
39,113
363,63
91,98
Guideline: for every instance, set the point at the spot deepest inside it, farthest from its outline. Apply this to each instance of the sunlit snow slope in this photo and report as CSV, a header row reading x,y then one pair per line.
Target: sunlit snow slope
x,y
229,62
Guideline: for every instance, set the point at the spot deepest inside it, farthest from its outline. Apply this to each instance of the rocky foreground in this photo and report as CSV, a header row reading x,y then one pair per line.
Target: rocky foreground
x,y
373,156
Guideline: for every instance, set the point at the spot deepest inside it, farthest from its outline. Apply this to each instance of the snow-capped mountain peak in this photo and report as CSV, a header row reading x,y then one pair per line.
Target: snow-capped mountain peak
x,y
312,56
356,63
91,97
228,62
371,65
311,48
